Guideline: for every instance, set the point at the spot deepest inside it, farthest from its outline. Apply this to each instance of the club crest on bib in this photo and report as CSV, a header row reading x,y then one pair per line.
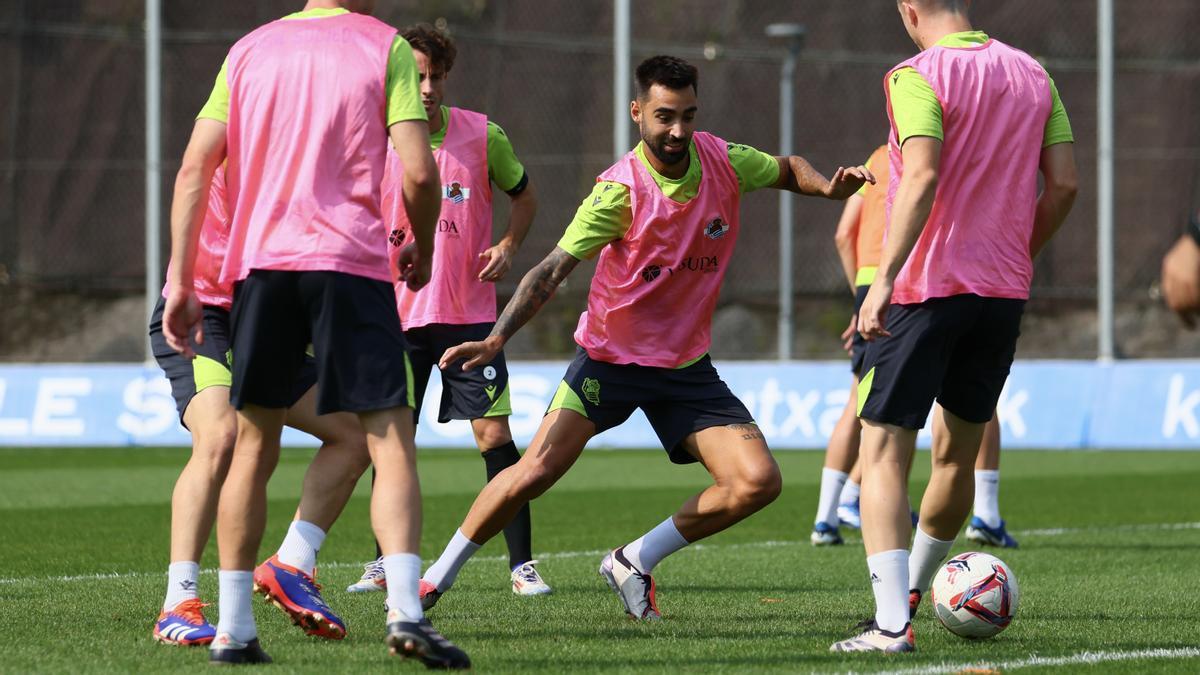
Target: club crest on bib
x,y
456,192
716,228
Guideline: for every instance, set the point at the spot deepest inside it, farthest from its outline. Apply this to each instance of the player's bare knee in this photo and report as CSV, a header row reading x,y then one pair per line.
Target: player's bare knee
x,y
214,445
531,481
758,488
490,433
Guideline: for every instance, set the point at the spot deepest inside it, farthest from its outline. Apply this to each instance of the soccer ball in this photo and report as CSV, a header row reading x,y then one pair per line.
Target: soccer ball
x,y
975,595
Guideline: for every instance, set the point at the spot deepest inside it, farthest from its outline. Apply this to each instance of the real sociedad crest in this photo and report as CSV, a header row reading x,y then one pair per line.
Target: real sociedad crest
x,y
716,228
456,193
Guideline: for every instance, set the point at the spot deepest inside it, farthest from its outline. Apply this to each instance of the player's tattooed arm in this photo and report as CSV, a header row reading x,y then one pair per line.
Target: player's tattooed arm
x,y
797,175
536,288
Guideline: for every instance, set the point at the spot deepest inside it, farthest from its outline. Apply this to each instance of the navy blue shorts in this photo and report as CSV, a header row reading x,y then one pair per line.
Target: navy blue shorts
x,y
351,323
955,350
858,344
212,365
479,392
678,402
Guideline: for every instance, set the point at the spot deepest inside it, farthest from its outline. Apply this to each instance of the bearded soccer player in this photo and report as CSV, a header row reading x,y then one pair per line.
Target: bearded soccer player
x,y
304,108
459,304
200,387
664,220
973,122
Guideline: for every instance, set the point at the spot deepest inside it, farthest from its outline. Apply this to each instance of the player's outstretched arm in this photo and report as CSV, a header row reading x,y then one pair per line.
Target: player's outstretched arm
x,y
422,198
914,201
536,288
189,204
797,175
520,217
1057,165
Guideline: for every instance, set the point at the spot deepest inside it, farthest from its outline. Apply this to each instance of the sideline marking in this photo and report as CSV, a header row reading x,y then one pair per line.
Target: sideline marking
x,y
1052,532
1088,658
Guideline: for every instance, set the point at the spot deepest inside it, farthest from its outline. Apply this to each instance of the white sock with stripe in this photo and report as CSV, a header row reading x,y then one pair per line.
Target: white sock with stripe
x,y
987,497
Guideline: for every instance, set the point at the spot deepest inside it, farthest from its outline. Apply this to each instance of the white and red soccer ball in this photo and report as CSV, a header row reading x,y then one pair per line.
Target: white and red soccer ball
x,y
975,595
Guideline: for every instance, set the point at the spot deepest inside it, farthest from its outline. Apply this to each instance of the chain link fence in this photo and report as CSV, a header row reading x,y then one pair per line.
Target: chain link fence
x,y
71,148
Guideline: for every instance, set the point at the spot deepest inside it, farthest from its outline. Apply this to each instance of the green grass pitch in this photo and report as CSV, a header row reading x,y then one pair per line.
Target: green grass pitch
x,y
1108,568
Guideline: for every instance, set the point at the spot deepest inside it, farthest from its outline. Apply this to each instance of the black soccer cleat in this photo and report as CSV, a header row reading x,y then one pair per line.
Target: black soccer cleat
x,y
420,640
226,651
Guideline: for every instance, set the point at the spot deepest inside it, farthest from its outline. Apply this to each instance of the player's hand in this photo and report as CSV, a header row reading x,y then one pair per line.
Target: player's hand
x,y
873,315
182,321
847,180
499,261
475,353
848,334
1181,280
414,269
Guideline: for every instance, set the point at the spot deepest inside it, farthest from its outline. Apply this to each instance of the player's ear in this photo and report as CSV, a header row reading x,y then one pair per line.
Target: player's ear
x,y
635,111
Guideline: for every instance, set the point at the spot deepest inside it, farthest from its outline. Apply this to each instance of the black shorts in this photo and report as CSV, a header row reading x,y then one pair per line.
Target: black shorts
x,y
955,350
858,344
479,392
211,367
352,324
678,402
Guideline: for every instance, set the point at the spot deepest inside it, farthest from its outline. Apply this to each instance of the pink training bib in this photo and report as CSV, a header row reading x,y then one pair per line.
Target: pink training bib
x,y
654,291
210,250
454,295
307,142
995,103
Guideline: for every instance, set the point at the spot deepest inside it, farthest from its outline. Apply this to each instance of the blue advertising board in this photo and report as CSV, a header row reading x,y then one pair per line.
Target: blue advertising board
x,y
1046,404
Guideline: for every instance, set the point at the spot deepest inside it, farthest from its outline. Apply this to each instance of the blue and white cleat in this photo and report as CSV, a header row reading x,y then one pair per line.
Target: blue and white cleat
x,y
184,625
824,534
373,578
526,580
848,514
978,531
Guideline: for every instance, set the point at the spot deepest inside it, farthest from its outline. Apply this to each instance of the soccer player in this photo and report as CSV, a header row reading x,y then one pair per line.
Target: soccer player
x,y
459,304
304,107
973,122
200,387
664,220
859,238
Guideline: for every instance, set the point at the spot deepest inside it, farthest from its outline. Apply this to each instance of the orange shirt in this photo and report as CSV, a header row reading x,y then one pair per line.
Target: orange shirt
x,y
873,221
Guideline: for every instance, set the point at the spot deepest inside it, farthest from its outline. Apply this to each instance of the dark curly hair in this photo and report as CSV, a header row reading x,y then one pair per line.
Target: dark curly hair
x,y
670,71
433,43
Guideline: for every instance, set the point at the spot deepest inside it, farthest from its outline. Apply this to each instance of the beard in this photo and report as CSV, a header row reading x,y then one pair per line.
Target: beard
x,y
669,157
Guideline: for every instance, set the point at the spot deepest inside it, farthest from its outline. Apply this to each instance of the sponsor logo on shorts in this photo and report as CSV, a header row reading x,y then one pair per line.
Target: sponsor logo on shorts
x,y
591,390
490,390
716,228
456,193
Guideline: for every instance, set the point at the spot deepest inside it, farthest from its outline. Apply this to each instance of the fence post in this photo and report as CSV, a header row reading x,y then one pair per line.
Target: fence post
x,y
153,158
1105,187
621,78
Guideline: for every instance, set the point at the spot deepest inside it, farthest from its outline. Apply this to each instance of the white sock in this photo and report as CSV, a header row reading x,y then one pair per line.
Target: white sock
x,y
889,581
236,616
443,572
850,492
987,497
648,550
927,556
403,571
182,578
832,482
300,546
